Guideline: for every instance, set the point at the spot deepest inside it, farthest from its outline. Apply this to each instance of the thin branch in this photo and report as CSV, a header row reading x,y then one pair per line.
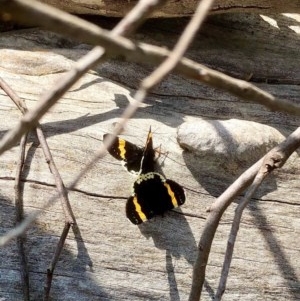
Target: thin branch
x,y
137,16
125,27
67,209
54,260
234,230
278,156
181,46
64,23
170,62
63,193
13,96
270,162
19,218
69,217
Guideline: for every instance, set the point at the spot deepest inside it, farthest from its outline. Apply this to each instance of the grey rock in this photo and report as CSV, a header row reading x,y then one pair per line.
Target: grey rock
x,y
230,144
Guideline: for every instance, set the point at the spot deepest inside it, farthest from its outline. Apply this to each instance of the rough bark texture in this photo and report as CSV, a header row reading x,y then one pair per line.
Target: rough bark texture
x,y
109,258
174,8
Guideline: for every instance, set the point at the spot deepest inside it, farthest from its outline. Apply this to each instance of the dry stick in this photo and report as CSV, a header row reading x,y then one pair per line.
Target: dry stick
x,y
181,46
69,217
279,155
170,63
40,13
19,202
155,54
126,26
64,23
19,217
62,86
67,209
270,162
54,260
63,193
234,229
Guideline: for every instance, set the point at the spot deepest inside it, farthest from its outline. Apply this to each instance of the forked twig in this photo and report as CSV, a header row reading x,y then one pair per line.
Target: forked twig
x,y
68,214
270,162
137,15
124,27
168,64
139,52
262,173
61,22
69,217
279,154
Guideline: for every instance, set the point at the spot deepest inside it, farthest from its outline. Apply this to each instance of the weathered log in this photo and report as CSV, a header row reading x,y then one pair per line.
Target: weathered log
x,y
111,259
183,8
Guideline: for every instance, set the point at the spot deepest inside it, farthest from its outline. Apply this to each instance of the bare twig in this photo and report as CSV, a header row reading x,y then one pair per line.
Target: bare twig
x,y
270,162
13,96
19,218
63,193
136,17
90,33
48,100
127,25
170,63
69,217
54,260
68,213
181,46
19,196
262,173
278,155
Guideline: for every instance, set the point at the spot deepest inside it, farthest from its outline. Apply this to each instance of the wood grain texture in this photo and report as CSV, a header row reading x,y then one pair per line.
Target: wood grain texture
x,y
108,258
174,8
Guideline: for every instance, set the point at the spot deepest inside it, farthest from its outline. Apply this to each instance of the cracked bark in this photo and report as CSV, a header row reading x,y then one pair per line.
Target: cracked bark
x,y
175,8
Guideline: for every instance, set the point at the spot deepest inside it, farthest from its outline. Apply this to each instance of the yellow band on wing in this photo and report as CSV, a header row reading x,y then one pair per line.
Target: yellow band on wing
x,y
122,148
172,195
138,209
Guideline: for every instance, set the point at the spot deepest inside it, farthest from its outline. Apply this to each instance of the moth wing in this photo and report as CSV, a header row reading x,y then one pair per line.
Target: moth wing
x,y
134,211
127,152
176,192
148,162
